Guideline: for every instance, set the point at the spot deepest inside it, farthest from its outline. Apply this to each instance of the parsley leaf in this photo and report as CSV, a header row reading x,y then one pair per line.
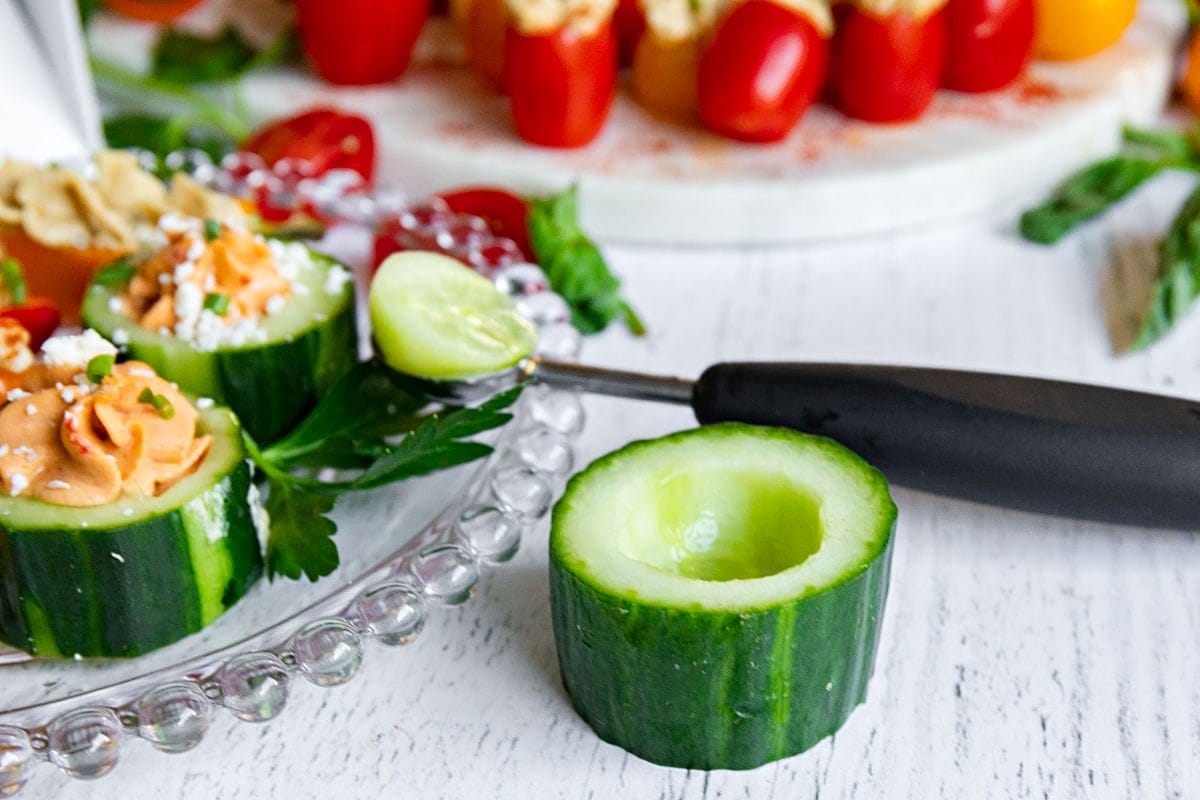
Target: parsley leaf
x,y
355,427
301,539
435,444
575,266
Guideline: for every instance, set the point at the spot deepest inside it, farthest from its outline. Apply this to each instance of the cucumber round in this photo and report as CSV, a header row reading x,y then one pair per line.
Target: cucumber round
x,y
434,318
125,578
717,594
270,385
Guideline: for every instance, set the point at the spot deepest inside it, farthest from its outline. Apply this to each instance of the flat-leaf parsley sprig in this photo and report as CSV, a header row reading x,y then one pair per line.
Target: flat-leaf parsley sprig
x,y
355,427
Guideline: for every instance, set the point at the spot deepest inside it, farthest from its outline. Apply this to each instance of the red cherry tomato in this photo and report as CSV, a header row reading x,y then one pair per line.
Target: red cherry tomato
x,y
886,68
152,10
988,43
760,72
506,214
360,42
486,30
560,84
324,137
38,317
629,24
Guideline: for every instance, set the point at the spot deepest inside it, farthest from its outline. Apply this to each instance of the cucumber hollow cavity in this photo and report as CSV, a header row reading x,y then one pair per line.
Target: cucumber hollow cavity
x,y
717,594
129,577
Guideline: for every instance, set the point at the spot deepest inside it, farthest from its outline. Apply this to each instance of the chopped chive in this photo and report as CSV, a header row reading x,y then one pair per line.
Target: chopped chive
x,y
14,281
117,274
160,403
212,230
217,303
99,367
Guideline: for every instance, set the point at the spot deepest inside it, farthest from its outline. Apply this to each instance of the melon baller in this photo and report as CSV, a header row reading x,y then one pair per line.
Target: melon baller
x,y
1053,447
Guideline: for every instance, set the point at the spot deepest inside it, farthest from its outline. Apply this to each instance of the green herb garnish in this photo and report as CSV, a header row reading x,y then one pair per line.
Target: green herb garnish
x,y
1178,282
116,275
212,230
1098,187
100,367
575,266
216,303
160,403
356,426
14,281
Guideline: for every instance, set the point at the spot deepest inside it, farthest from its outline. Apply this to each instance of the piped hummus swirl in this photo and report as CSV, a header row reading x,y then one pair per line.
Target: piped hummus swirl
x,y
71,442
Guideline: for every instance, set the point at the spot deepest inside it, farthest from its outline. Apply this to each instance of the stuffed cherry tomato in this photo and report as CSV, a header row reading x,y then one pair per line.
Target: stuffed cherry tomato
x,y
360,42
561,77
1073,29
629,25
762,69
887,66
152,10
323,138
988,43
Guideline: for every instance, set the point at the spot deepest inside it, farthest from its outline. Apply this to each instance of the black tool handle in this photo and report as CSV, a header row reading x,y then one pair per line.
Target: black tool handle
x,y
1049,446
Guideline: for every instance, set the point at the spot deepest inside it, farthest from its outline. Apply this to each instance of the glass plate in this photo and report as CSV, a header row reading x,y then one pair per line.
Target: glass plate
x,y
403,549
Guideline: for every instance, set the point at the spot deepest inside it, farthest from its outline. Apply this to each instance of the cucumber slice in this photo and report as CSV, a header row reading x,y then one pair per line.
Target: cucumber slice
x,y
135,575
434,318
717,594
270,385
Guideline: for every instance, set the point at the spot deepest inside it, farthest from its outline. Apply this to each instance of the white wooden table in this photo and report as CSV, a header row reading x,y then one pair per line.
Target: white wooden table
x,y
1022,656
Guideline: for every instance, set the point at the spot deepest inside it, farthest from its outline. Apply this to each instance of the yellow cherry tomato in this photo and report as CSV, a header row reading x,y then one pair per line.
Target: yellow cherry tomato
x,y
1189,86
1073,29
664,77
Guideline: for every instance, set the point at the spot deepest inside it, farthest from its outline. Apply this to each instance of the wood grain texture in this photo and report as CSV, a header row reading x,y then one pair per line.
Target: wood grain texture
x,y
1022,657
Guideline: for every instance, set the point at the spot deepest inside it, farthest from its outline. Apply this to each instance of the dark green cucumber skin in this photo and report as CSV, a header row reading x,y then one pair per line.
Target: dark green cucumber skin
x,y
721,694
273,387
97,606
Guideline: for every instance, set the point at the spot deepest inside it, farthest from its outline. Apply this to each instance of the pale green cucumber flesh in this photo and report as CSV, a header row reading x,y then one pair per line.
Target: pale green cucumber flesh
x,y
717,595
433,318
132,576
271,385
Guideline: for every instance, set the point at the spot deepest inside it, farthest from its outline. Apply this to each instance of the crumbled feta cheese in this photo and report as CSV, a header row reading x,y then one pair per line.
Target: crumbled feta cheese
x,y
204,402
67,395
164,278
336,280
19,483
127,512
115,305
30,409
184,270
25,450
275,304
17,394
57,485
142,372
195,250
178,223
76,351
3,450
120,336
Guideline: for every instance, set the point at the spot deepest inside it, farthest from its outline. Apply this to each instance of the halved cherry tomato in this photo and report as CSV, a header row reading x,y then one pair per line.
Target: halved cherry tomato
x,y
560,84
360,42
38,317
152,10
760,72
325,138
886,68
506,214
988,43
486,30
664,77
629,24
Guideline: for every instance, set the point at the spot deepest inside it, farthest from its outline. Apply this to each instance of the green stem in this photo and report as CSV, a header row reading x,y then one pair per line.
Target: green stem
x,y
205,108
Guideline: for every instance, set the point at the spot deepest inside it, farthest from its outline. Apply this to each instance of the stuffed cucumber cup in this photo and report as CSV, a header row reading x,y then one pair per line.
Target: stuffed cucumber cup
x,y
262,326
717,594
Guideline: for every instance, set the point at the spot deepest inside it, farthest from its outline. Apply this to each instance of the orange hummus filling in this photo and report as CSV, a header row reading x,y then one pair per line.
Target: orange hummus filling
x,y
71,442
234,275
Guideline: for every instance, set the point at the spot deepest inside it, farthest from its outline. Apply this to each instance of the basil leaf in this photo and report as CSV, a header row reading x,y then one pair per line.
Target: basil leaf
x,y
162,135
1085,195
187,58
1178,283
576,268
